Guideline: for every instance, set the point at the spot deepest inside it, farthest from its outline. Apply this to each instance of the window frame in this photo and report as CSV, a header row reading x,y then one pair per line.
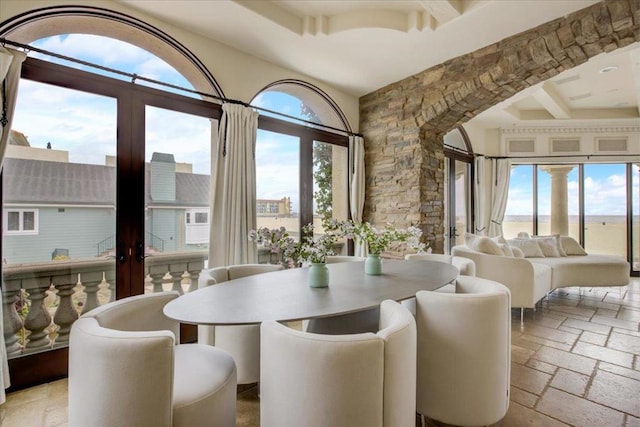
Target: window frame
x,y
21,231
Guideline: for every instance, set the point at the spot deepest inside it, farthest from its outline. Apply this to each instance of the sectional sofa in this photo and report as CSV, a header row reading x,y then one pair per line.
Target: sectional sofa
x,y
530,278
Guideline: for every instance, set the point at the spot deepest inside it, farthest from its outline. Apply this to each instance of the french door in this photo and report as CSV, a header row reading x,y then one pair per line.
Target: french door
x,y
458,198
100,218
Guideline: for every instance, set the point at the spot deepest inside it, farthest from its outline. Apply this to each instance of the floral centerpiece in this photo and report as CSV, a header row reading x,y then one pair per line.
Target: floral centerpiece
x,y
379,240
278,242
292,253
308,250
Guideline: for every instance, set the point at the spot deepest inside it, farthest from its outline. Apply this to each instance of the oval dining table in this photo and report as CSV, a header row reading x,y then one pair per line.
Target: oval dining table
x,y
286,296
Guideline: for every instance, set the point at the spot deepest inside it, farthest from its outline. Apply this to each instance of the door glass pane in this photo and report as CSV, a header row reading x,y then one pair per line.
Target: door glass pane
x,y
58,247
519,212
447,205
177,199
330,201
605,209
635,196
277,184
461,200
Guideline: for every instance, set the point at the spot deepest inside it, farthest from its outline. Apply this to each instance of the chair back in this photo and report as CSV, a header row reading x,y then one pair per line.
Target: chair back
x,y
334,259
122,352
137,313
242,342
430,257
244,270
464,353
398,330
319,380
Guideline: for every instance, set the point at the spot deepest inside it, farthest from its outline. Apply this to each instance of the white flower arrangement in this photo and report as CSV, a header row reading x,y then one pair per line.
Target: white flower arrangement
x,y
294,253
379,240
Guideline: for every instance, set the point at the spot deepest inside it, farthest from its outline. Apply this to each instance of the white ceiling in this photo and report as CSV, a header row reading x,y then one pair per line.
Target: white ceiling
x,y
359,46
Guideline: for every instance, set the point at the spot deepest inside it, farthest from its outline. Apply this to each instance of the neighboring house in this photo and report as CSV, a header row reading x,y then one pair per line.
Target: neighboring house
x,y
271,207
58,208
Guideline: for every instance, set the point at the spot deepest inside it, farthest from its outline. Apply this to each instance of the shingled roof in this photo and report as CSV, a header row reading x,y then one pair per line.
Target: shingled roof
x,y
54,183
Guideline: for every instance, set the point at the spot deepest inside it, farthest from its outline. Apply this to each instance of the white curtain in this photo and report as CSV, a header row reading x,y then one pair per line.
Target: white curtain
x,y
479,194
501,174
10,65
233,186
356,182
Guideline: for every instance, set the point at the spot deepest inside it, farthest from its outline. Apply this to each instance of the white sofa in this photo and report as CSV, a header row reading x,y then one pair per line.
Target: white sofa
x,y
530,279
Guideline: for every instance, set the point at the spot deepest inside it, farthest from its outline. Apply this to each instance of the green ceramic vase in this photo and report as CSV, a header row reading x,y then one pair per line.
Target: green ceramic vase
x,y
318,275
373,265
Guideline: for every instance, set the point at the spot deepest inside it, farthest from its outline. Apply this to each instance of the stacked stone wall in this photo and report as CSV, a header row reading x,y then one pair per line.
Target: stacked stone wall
x,y
404,123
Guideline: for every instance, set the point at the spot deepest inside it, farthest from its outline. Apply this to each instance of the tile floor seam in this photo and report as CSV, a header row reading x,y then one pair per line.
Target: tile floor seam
x,y
623,413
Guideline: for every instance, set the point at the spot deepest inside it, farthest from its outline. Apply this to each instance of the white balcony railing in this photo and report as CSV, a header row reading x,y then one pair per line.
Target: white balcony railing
x,y
42,300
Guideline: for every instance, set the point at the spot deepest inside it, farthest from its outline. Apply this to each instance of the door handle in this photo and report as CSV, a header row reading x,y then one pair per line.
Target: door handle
x,y
121,252
139,251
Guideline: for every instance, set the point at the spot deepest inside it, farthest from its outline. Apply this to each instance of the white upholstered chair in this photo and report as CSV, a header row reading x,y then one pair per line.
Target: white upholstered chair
x,y
125,370
242,342
466,266
316,380
464,353
333,259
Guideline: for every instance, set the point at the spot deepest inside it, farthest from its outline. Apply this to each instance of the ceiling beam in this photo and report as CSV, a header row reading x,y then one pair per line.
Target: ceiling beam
x,y
549,98
274,13
443,10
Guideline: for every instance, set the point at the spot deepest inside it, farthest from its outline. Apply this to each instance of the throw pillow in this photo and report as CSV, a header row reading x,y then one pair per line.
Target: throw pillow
x,y
571,246
558,244
506,249
529,247
523,235
468,239
487,246
548,246
517,252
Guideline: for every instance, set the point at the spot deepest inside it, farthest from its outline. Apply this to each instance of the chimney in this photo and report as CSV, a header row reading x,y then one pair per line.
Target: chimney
x,y
163,178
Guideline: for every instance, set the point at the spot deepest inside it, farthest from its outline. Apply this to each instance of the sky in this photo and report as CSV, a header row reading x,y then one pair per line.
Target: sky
x,y
84,125
604,188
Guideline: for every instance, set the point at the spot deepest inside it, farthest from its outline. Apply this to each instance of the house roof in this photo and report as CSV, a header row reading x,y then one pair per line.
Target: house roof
x,y
41,182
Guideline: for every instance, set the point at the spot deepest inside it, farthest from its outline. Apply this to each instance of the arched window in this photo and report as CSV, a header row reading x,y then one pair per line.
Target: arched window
x,y
302,171
105,170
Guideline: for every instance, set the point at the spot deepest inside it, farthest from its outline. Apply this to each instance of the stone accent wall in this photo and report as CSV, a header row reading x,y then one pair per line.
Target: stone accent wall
x,y
404,123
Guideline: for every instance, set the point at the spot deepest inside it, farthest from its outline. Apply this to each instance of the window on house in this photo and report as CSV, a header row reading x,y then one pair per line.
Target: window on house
x,y
196,217
21,222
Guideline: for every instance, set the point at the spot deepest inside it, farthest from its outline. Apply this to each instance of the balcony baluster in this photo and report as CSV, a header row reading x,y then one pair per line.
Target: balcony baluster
x,y
39,318
66,313
12,322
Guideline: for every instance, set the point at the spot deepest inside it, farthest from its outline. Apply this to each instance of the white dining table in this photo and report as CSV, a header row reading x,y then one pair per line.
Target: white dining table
x,y
286,296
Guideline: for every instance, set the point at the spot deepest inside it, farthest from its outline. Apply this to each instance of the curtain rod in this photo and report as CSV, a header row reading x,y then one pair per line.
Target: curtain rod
x,y
135,77
559,156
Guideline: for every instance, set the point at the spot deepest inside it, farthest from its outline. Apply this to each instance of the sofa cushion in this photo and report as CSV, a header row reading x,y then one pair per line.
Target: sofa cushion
x,y
549,247
586,270
529,247
486,245
506,249
555,238
517,252
571,246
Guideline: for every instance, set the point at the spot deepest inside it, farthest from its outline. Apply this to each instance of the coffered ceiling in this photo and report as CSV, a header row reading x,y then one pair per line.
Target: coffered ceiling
x,y
359,46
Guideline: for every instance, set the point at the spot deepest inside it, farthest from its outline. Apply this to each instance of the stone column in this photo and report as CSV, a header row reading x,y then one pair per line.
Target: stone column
x,y
559,200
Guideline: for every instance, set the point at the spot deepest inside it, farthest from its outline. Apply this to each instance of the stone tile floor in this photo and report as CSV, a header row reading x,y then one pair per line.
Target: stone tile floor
x,y
575,361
